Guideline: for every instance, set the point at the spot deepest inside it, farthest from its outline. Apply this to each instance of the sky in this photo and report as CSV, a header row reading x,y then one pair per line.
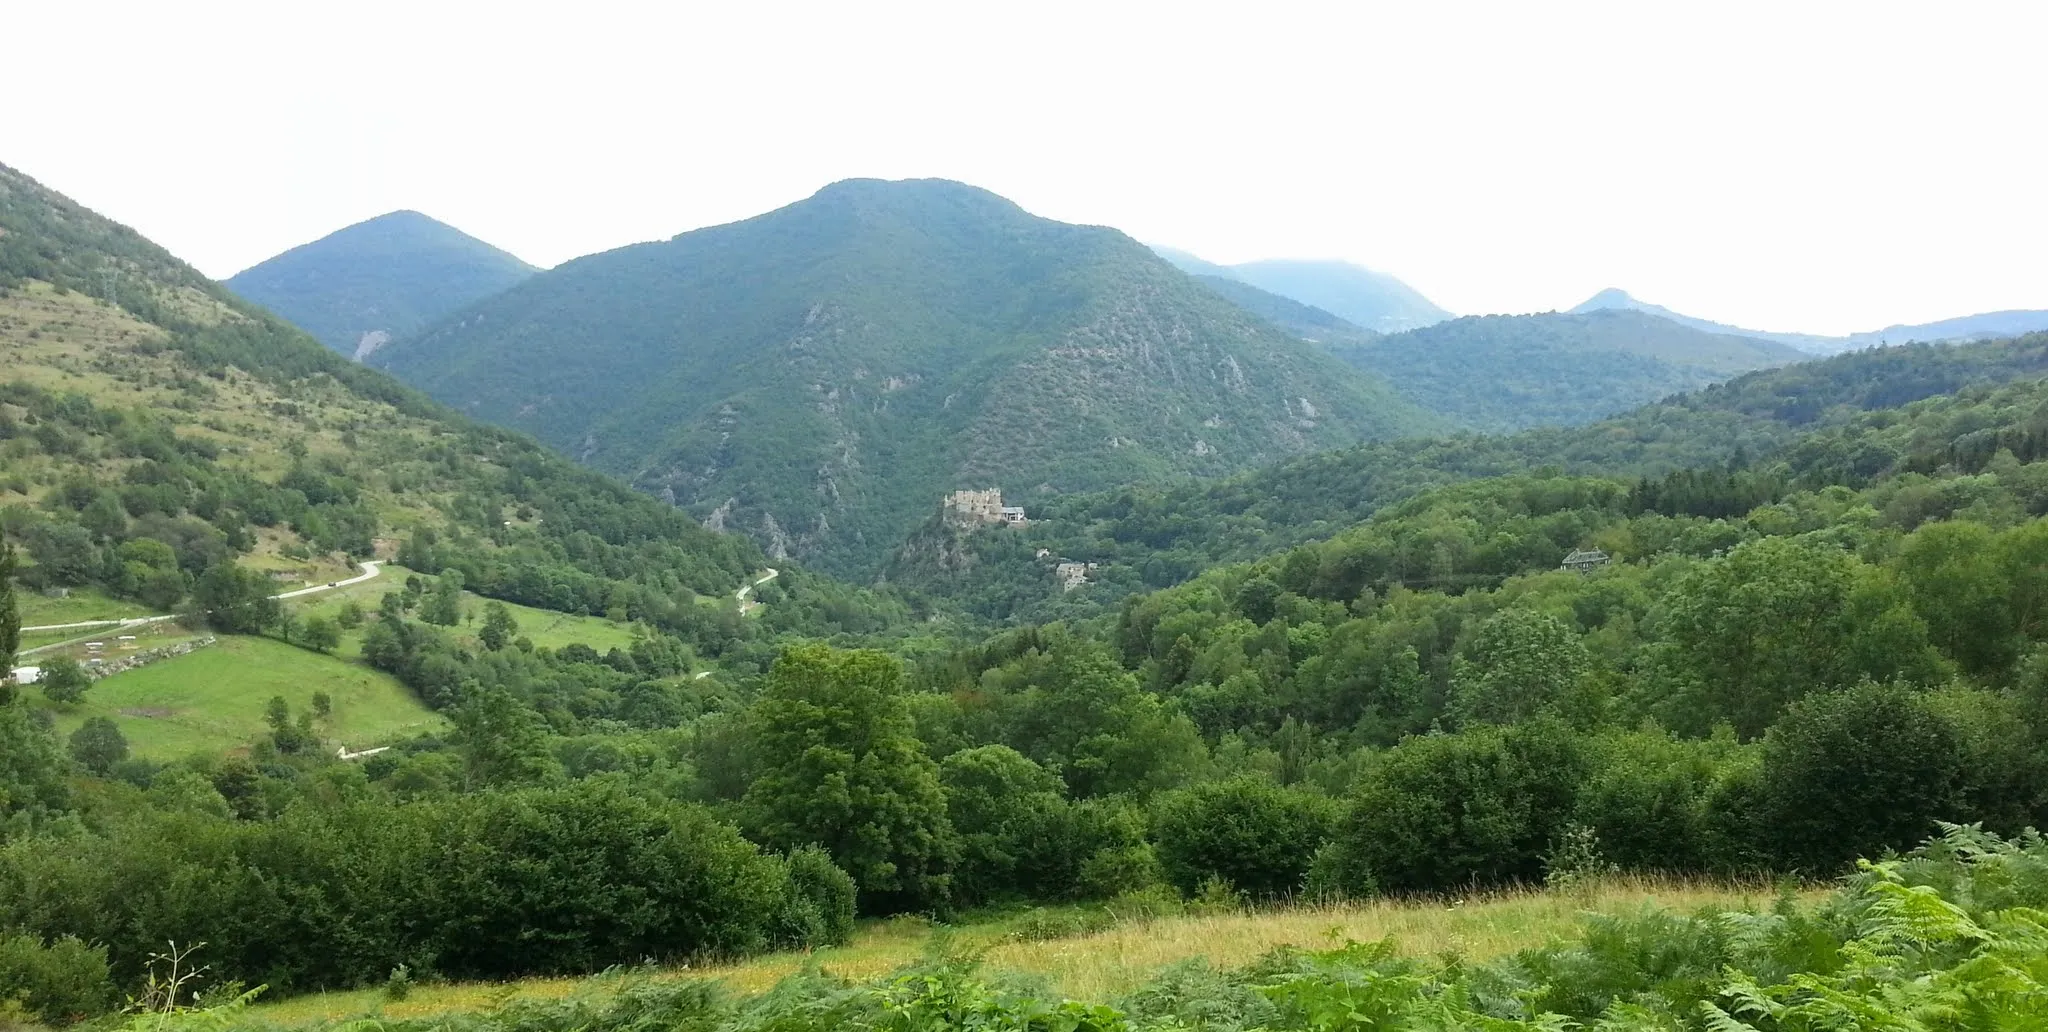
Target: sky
x,y
1821,167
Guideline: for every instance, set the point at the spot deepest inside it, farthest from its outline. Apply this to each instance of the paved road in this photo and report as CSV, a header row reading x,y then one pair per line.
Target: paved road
x,y
748,589
370,569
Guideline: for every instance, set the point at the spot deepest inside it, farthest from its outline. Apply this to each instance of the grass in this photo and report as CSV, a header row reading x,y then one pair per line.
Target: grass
x,y
212,699
79,605
553,630
1108,964
545,627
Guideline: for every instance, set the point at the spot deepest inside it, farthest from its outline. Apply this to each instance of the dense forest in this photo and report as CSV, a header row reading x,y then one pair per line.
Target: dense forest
x,y
1788,660
1151,537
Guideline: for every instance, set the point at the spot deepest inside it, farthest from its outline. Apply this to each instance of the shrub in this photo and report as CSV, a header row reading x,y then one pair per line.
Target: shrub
x,y
1446,810
820,903
1857,772
1249,832
58,983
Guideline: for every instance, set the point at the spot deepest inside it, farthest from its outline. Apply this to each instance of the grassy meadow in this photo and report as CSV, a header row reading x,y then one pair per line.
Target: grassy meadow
x,y
212,699
1102,965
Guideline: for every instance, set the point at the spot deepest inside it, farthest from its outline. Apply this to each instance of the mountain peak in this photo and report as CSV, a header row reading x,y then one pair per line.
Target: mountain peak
x,y
818,376
365,284
1612,297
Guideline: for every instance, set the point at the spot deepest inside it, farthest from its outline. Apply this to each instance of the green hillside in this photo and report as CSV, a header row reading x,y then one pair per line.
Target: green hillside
x,y
157,429
358,288
1148,537
820,375
1502,373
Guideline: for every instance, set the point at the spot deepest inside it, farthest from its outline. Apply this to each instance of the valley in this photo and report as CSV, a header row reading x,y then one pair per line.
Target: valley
x,y
900,610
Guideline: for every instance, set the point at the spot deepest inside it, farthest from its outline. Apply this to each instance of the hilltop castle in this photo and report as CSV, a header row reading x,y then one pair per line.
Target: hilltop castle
x,y
971,508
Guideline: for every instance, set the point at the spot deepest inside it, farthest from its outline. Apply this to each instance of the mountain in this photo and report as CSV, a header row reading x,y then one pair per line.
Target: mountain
x,y
1305,321
158,427
357,289
820,375
1153,536
1373,300
1985,326
1502,373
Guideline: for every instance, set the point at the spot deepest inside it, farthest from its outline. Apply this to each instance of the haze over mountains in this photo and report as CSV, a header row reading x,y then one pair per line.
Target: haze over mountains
x,y
820,375
1503,373
1983,326
1361,296
362,286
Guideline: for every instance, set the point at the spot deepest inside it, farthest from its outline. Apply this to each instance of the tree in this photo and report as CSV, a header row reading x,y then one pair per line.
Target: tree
x,y
1520,663
1856,772
235,600
841,768
63,681
502,740
97,745
32,769
350,616
1777,618
10,614
241,784
1480,806
319,634
1011,816
499,626
1248,832
323,705
444,605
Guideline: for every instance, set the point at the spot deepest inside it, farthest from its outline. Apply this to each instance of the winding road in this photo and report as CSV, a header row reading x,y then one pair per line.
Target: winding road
x,y
370,570
748,589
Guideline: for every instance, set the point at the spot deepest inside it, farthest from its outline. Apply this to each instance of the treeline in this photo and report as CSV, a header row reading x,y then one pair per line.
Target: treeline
x,y
1948,936
340,891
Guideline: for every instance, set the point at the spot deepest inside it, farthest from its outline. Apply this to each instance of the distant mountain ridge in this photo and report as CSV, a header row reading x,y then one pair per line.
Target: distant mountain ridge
x,y
818,376
1983,326
1362,296
362,286
1505,373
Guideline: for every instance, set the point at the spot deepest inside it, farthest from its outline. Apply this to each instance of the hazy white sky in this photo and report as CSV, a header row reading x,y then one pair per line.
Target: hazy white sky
x,y
1817,167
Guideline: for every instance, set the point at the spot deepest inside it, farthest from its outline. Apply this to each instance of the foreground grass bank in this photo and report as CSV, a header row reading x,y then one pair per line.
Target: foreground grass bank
x,y
1103,964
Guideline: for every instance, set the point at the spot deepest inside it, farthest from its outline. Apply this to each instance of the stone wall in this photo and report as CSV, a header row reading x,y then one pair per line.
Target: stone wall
x,y
147,656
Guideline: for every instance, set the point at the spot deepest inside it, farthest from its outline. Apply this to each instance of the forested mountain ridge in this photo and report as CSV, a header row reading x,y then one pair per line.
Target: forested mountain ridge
x,y
1502,373
1361,296
363,286
1153,537
820,375
178,429
1983,326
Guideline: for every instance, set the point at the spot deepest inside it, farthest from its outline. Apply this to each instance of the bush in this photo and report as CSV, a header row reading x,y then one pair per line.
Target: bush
x,y
1450,810
58,983
1249,832
821,901
495,885
1858,772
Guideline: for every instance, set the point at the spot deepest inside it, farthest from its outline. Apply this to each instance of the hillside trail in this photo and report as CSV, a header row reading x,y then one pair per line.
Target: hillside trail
x,y
371,569
747,606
